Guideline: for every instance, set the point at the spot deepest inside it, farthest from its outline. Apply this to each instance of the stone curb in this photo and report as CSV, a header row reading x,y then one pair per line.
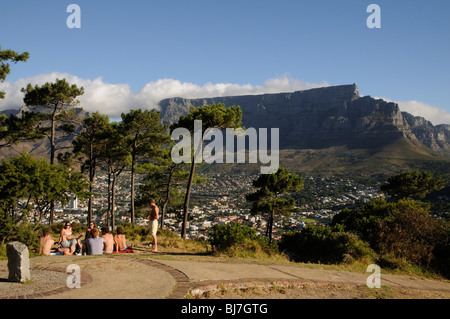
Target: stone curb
x,y
203,287
181,279
84,279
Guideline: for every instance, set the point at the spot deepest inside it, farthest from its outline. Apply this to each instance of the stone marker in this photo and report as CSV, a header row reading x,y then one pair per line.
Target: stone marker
x,y
18,262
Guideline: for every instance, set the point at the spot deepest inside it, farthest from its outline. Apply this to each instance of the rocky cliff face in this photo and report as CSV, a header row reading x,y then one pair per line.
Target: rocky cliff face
x,y
325,117
435,137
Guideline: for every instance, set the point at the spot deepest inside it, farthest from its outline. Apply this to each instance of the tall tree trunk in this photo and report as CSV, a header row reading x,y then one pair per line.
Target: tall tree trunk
x,y
113,200
91,182
108,214
189,186
52,138
166,201
271,225
186,200
133,168
89,217
52,161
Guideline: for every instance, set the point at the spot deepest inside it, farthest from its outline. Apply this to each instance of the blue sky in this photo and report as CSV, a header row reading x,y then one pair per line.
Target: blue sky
x,y
146,50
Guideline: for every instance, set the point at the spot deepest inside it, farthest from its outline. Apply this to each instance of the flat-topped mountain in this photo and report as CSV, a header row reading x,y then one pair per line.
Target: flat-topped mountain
x,y
335,130
324,117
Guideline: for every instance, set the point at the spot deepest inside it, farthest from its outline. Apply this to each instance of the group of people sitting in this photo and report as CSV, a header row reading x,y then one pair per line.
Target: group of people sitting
x,y
92,244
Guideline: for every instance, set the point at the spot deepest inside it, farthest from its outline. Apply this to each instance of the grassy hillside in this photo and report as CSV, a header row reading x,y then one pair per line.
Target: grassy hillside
x,y
400,155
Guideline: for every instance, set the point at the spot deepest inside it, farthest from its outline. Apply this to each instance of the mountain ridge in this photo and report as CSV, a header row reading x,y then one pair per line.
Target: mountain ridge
x,y
329,128
335,129
308,118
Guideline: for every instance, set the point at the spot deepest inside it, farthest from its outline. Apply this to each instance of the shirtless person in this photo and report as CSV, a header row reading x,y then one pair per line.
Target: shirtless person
x,y
108,241
120,240
46,243
154,215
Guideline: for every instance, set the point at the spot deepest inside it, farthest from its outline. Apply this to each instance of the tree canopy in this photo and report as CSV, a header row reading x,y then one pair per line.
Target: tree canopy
x,y
268,199
28,186
57,98
13,57
412,184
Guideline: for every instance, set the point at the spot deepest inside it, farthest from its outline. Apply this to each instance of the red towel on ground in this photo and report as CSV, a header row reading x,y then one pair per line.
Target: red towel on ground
x,y
126,251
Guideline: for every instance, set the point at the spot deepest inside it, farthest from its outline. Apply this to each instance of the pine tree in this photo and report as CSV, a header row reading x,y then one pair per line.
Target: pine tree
x,y
57,99
87,146
212,116
14,57
269,198
412,184
145,135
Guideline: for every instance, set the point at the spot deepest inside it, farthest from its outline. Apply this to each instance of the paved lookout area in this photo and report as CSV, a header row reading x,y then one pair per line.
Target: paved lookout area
x,y
132,276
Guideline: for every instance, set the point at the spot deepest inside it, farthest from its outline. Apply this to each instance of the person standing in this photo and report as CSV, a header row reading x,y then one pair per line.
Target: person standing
x,y
154,215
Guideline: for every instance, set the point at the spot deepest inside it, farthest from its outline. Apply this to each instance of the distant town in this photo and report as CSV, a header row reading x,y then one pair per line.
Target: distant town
x,y
222,200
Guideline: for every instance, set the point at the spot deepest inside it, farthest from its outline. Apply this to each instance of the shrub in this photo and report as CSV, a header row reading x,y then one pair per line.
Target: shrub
x,y
328,245
136,233
401,231
235,235
410,233
225,236
77,228
27,235
7,226
24,233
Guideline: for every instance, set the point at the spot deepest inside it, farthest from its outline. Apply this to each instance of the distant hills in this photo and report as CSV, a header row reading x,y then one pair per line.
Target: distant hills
x,y
328,131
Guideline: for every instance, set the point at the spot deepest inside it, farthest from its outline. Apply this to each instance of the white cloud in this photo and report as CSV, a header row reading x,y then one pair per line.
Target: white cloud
x,y
113,99
431,113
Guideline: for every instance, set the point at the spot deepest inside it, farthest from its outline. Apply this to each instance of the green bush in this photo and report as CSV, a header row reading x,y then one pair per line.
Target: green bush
x,y
403,231
24,233
136,233
328,245
226,237
7,226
